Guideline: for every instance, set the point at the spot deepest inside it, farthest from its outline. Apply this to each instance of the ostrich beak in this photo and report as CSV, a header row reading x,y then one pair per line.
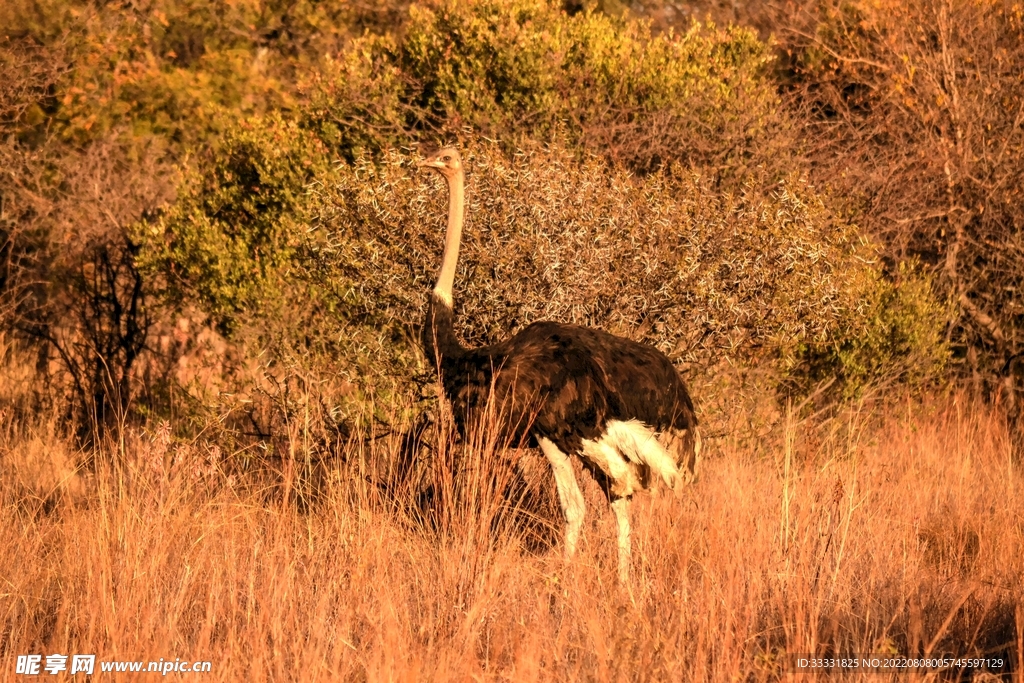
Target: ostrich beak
x,y
430,163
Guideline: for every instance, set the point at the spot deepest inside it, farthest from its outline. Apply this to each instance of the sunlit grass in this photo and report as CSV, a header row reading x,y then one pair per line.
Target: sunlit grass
x,y
862,533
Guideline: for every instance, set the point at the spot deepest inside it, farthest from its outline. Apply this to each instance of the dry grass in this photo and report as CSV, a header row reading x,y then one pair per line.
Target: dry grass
x,y
902,533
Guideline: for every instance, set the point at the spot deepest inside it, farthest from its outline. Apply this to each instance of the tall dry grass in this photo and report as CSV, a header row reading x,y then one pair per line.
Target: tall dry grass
x,y
896,530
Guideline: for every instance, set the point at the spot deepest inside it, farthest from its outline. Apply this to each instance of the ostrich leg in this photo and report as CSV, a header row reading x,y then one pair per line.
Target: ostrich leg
x,y
569,494
620,506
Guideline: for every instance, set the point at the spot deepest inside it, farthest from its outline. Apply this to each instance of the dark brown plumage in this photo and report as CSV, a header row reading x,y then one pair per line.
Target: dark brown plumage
x,y
575,379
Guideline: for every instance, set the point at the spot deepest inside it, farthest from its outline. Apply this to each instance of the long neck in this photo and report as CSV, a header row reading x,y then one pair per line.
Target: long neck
x,y
452,239
439,338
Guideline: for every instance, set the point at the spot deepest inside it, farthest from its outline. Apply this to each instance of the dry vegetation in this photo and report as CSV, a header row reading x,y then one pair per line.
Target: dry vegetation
x,y
859,533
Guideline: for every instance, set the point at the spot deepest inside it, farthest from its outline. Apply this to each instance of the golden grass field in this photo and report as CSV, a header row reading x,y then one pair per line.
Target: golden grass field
x,y
889,528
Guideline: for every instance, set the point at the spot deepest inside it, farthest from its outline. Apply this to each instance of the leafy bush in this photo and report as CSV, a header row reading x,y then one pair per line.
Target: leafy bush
x,y
666,258
523,69
915,112
225,242
96,98
177,70
715,251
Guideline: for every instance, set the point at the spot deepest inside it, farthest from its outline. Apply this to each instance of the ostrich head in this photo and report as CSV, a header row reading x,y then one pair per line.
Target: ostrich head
x,y
445,161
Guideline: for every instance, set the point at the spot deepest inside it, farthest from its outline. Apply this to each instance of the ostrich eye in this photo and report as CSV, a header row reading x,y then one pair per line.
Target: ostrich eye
x,y
447,158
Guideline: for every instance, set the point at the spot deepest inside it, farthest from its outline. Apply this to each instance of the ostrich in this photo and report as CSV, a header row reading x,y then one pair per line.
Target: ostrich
x,y
617,404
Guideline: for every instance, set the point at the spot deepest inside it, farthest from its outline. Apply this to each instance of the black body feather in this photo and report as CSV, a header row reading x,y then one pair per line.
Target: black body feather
x,y
561,382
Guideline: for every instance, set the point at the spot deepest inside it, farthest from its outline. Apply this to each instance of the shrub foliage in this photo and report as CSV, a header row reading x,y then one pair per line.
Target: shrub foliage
x,y
913,112
523,69
647,182
755,276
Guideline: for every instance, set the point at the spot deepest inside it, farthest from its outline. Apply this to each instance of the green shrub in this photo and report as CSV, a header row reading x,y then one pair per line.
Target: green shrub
x,y
523,69
897,335
177,70
325,266
228,241
747,278
914,114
